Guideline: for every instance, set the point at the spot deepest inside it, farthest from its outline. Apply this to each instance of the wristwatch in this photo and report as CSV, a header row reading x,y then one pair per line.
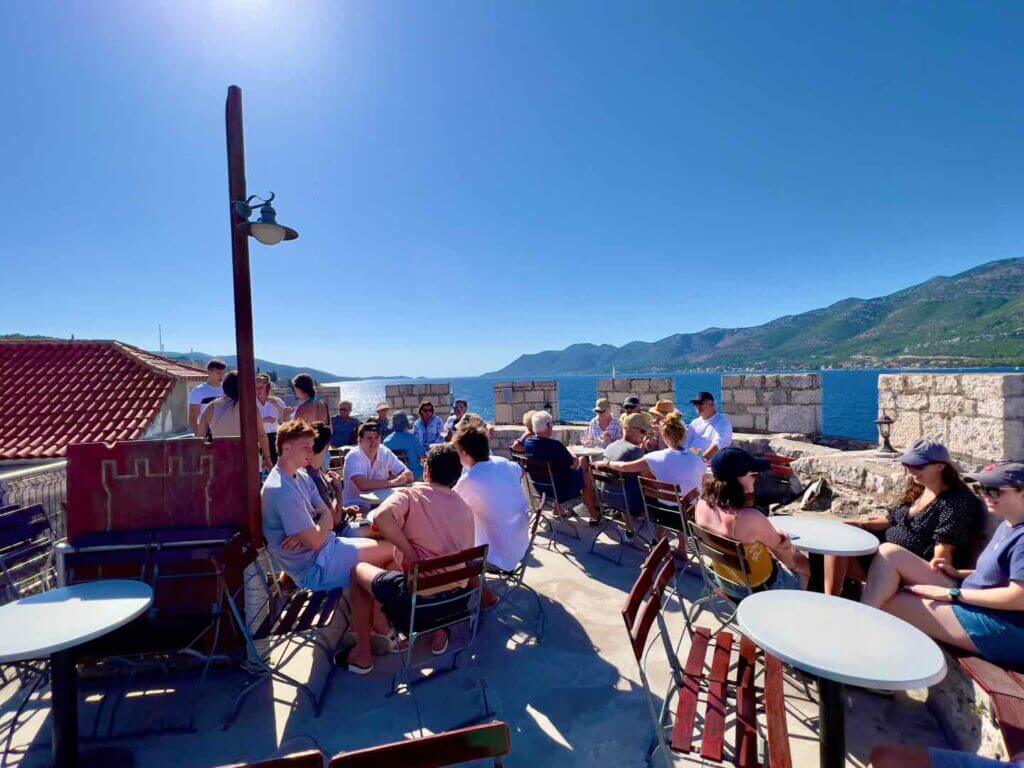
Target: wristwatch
x,y
954,594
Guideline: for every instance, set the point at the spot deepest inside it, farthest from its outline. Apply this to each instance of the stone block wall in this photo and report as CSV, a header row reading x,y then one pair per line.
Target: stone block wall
x,y
649,391
512,399
503,435
407,397
784,402
979,417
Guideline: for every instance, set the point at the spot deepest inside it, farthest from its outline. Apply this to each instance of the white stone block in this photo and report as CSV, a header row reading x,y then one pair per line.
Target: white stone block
x,y
777,396
519,397
536,396
503,414
742,421
732,381
946,384
1013,408
522,385
982,386
744,396
800,380
623,385
391,390
918,402
807,396
605,385
887,382
640,386
906,428
801,419
771,380
440,389
648,399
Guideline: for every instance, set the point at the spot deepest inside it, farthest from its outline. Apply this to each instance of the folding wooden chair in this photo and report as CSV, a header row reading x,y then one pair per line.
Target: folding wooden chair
x,y
718,555
512,581
481,742
542,482
337,462
311,758
698,683
455,585
612,494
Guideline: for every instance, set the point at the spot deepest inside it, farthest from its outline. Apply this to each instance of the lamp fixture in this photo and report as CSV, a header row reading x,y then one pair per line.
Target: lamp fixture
x,y
266,229
884,424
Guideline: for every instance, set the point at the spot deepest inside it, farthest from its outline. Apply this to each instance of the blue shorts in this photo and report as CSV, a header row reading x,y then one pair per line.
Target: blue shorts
x,y
947,758
996,638
334,564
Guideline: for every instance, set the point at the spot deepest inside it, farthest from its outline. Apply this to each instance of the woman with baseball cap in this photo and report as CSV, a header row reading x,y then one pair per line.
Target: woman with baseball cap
x,y
980,611
724,508
938,518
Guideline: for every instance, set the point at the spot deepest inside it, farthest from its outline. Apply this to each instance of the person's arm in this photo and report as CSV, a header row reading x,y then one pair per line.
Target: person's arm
x,y
1008,598
943,552
311,538
637,466
306,534
193,418
390,530
403,478
878,524
710,452
365,483
203,427
752,524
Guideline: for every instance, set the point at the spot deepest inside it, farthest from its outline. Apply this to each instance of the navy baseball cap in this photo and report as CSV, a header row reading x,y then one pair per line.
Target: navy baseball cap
x,y
631,402
702,397
733,463
925,451
999,475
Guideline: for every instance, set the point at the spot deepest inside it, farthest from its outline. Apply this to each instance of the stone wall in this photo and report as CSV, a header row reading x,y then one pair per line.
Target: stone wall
x,y
785,402
979,417
407,397
512,399
503,435
649,391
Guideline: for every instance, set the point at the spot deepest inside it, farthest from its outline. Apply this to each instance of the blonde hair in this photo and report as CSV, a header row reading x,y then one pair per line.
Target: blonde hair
x,y
673,429
528,421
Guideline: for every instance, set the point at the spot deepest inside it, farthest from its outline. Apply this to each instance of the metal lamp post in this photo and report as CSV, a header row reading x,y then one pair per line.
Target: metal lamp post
x,y
267,231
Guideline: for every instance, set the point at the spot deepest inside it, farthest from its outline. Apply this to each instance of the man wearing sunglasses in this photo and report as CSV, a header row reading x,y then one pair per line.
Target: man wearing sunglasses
x,y
980,611
428,427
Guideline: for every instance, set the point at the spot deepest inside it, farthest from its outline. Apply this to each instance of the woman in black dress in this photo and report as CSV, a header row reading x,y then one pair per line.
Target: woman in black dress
x,y
938,518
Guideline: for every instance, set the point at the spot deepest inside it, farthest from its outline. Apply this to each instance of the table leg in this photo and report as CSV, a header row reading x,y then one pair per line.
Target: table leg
x,y
831,723
817,581
64,709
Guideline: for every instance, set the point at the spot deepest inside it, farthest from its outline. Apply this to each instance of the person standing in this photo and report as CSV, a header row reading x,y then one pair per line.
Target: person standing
x,y
308,408
711,431
428,427
272,411
344,426
206,392
223,419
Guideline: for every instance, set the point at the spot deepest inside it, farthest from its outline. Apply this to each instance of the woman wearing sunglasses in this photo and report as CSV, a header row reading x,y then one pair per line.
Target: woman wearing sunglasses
x,y
979,611
938,517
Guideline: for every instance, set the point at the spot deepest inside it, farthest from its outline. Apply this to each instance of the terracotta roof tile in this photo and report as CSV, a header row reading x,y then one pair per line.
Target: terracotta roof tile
x,y
53,393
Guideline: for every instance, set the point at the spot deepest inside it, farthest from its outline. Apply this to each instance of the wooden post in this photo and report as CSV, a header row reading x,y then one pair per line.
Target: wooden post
x,y
243,315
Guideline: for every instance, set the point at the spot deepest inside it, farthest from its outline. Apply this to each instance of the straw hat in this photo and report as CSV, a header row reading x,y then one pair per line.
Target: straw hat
x,y
662,409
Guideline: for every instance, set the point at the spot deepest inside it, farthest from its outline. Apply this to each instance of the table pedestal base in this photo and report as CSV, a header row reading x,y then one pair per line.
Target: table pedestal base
x,y
817,581
832,723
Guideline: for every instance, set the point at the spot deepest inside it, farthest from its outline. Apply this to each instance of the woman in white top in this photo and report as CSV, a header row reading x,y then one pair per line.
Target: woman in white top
x,y
271,412
221,418
669,465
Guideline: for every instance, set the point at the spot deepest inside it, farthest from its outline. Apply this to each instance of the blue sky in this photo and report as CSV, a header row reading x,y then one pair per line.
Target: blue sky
x,y
475,180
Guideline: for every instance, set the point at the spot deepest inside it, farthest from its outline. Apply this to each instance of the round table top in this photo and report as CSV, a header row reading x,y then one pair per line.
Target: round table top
x,y
40,625
378,497
826,537
586,450
841,640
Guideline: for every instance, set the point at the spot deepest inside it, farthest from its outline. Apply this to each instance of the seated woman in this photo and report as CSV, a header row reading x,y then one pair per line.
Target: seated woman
x,y
519,445
979,611
772,561
670,465
938,517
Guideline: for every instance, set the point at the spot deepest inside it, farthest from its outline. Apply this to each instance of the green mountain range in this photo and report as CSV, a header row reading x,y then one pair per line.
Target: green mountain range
x,y
973,319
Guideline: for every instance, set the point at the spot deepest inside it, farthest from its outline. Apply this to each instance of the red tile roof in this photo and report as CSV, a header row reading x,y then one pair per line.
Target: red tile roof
x,y
55,392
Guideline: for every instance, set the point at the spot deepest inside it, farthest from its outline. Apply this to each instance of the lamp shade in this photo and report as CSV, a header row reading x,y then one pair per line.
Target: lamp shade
x,y
268,234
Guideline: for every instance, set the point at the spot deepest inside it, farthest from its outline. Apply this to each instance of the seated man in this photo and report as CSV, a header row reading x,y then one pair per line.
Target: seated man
x,y
312,555
711,431
370,467
425,521
401,439
459,409
344,426
571,481
619,457
493,488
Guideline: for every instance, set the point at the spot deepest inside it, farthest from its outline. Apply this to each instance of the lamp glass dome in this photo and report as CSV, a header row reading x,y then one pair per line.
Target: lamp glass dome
x,y
268,234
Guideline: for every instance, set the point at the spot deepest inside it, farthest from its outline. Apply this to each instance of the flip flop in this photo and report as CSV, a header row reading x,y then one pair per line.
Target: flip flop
x,y
341,660
443,649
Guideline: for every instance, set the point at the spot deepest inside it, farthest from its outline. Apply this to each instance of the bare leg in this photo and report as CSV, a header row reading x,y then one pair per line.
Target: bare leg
x,y
361,594
893,756
936,619
835,573
895,566
381,554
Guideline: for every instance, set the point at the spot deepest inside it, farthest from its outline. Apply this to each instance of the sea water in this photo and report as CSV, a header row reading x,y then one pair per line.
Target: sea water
x,y
851,397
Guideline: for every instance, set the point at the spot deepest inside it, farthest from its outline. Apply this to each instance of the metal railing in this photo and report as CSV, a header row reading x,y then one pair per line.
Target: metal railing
x,y
45,484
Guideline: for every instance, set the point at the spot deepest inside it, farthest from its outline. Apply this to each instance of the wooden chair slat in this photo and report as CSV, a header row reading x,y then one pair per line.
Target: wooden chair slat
x,y
636,595
686,707
1009,712
445,749
991,678
327,612
746,705
291,613
775,714
642,627
310,612
446,578
456,558
312,758
712,741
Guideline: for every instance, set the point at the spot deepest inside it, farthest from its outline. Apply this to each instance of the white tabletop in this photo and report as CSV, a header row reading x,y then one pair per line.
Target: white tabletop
x,y
841,640
42,624
375,498
826,537
586,450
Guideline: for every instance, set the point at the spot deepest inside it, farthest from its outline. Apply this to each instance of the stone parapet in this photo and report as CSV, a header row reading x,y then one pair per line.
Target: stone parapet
x,y
407,397
979,417
503,435
789,402
650,391
512,399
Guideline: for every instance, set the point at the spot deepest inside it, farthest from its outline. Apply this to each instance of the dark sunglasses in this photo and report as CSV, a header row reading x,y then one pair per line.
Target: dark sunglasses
x,y
426,410
994,492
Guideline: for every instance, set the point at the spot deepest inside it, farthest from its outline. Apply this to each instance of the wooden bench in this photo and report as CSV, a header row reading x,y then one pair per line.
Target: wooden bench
x,y
1005,689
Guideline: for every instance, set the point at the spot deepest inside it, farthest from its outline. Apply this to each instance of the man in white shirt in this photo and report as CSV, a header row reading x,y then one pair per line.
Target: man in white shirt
x,y
271,411
493,488
711,431
206,392
371,466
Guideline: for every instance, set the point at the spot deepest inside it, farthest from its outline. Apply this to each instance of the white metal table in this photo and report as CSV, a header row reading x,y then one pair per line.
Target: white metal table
x,y
53,624
378,497
841,642
591,452
824,537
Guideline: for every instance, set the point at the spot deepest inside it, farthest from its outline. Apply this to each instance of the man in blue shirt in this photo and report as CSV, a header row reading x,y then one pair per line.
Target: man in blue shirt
x,y
569,475
344,426
401,439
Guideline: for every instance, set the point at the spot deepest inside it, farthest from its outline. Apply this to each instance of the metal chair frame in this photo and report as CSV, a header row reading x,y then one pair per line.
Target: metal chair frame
x,y
512,580
714,548
609,483
562,512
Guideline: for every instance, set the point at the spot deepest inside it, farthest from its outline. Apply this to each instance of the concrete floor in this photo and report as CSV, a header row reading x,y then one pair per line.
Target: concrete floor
x,y
573,700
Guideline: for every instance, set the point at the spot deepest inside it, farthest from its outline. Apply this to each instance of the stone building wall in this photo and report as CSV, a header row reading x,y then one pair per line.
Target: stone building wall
x,y
407,397
784,402
512,399
979,417
649,391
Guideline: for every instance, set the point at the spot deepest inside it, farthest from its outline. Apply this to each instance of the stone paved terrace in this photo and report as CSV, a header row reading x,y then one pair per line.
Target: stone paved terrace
x,y
573,700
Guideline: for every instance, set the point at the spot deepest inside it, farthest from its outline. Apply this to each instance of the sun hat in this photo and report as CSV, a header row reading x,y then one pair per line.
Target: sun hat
x,y
639,421
663,408
602,405
733,463
400,422
925,451
999,475
701,397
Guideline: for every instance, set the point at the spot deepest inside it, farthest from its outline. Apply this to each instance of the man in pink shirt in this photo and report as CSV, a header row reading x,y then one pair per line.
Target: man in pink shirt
x,y
426,520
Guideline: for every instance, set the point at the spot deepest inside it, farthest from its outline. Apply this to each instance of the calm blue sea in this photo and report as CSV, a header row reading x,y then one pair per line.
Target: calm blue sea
x,y
851,397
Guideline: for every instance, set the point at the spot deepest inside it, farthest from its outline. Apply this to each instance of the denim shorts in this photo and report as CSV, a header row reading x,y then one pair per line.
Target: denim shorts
x,y
334,564
782,578
996,638
947,758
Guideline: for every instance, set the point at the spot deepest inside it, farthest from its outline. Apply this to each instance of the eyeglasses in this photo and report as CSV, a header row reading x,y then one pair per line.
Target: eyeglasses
x,y
994,492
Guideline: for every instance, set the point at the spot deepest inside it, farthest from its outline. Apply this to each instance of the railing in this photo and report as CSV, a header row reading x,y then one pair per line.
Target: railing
x,y
44,484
